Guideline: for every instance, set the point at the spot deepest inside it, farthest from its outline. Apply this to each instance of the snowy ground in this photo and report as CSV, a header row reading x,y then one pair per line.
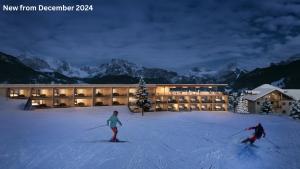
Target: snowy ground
x,y
58,139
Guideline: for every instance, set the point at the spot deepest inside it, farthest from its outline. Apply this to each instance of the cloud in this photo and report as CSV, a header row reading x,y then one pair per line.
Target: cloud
x,y
174,34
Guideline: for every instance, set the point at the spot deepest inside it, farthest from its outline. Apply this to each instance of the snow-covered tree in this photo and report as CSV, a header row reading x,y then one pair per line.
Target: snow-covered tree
x,y
266,106
295,109
233,101
242,104
143,101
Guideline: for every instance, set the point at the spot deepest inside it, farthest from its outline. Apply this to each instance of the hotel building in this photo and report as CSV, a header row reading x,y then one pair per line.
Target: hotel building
x,y
281,99
164,97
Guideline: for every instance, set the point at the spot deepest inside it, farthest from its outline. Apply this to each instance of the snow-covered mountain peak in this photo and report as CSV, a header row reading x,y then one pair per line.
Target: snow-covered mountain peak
x,y
52,65
120,67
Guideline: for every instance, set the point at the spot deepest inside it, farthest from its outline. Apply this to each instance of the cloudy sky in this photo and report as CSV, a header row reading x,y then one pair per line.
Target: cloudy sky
x,y
172,34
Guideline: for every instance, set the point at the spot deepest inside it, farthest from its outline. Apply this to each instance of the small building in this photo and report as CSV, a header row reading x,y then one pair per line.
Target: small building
x,y
281,99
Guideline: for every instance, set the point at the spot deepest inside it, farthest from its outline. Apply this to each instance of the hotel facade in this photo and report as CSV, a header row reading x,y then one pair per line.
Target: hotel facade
x,y
164,97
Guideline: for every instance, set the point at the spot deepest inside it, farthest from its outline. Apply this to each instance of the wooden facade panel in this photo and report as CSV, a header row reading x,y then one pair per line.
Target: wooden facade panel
x,y
177,97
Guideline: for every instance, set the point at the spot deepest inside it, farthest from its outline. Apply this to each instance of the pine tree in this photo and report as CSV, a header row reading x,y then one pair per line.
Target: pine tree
x,y
242,104
233,101
266,107
295,109
143,101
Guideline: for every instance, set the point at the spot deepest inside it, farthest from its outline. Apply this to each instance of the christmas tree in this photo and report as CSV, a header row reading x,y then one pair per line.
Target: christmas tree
x,y
266,106
242,104
233,101
143,101
295,109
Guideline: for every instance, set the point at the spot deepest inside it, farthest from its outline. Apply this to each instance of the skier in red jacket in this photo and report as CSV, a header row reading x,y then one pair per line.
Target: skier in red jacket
x,y
259,131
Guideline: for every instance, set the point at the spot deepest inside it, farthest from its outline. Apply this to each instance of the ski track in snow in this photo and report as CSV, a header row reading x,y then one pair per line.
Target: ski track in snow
x,y
58,139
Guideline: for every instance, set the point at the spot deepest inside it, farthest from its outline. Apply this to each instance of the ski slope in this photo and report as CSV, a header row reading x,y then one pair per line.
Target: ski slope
x,y
59,139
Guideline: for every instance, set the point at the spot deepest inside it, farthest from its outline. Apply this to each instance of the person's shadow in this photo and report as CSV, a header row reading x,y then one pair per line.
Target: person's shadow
x,y
248,152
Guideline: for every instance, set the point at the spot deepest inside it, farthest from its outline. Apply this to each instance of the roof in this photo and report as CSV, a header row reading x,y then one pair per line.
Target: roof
x,y
100,85
294,93
262,91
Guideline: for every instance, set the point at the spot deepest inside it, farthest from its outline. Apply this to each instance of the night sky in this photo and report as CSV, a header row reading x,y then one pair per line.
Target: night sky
x,y
172,34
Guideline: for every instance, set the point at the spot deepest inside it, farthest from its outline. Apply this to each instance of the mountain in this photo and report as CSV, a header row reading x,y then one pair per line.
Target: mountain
x,y
119,67
284,74
53,65
122,71
35,70
107,72
12,70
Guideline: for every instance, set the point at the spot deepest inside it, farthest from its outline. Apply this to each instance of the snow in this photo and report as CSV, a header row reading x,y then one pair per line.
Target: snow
x,y
57,138
261,91
279,83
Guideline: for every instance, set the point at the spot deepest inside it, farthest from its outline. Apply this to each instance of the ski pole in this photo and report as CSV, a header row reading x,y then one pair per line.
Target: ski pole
x,y
276,146
96,127
236,133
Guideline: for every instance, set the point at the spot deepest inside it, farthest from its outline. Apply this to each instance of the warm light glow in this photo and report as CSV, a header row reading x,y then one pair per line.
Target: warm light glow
x,y
21,92
132,99
132,90
98,90
44,91
81,91
34,104
62,91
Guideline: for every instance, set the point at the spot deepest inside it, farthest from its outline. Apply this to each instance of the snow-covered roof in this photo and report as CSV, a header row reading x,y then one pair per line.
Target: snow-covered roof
x,y
261,91
294,93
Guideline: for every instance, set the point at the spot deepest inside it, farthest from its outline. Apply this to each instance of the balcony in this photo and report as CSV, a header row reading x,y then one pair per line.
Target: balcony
x,y
63,92
99,104
81,95
80,104
160,101
119,94
172,101
39,95
183,100
219,108
115,103
195,101
61,105
17,96
99,94
172,108
206,108
206,101
131,94
195,108
41,104
61,95
183,108
219,100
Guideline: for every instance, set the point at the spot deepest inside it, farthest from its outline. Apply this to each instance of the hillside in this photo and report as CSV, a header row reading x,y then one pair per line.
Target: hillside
x,y
284,74
14,71
30,70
